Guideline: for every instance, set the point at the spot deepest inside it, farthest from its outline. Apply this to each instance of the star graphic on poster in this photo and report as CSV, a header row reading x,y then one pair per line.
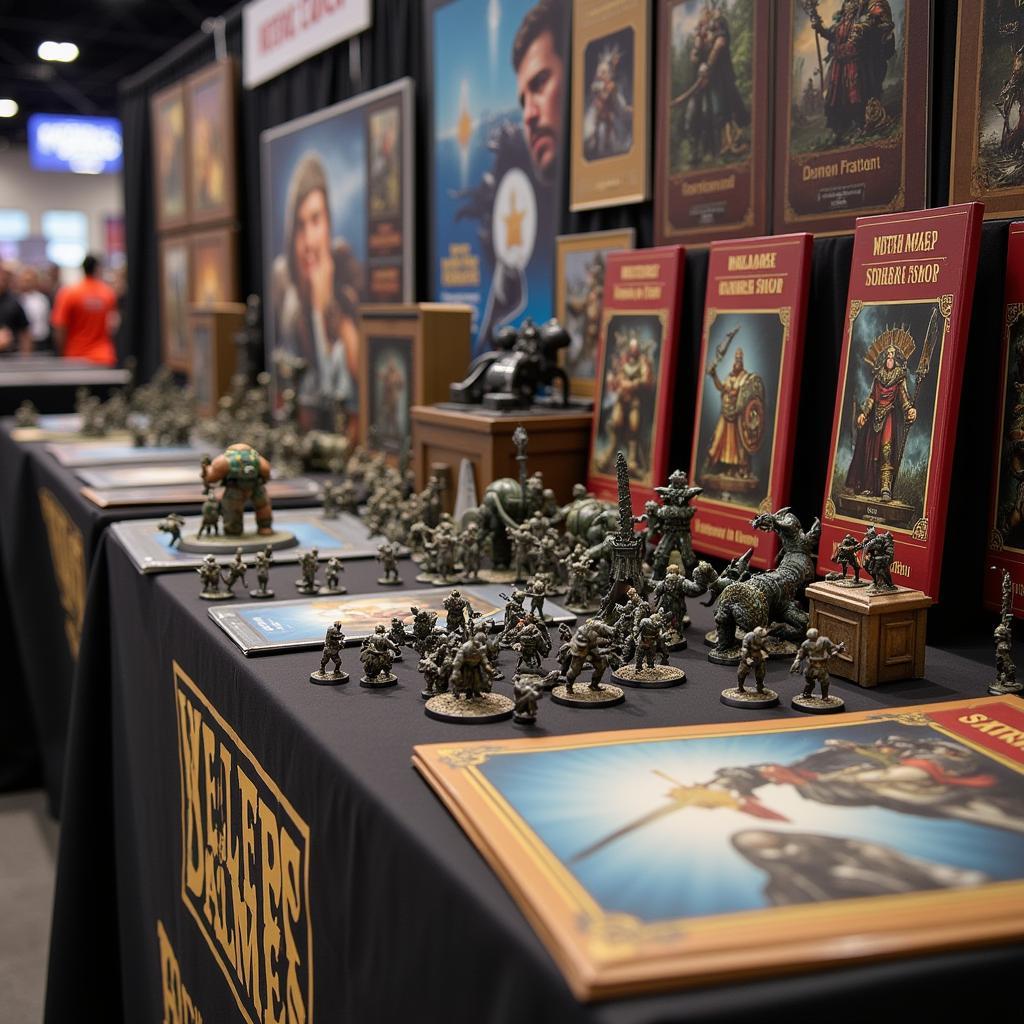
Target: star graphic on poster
x,y
514,224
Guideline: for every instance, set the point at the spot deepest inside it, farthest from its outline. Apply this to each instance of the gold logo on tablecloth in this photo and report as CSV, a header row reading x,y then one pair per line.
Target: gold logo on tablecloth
x,y
244,865
67,552
178,1005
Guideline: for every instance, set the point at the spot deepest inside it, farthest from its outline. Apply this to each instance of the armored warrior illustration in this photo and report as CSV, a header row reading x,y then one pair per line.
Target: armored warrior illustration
x,y
309,563
387,555
740,427
243,472
608,120
334,641
264,560
879,550
378,655
630,379
171,524
471,668
585,305
236,570
812,660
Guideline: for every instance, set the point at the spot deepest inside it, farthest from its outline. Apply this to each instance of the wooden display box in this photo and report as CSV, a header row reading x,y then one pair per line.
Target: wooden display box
x,y
884,633
444,437
212,351
408,355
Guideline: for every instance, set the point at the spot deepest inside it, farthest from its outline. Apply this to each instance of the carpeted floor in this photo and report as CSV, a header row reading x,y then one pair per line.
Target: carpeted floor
x,y
28,856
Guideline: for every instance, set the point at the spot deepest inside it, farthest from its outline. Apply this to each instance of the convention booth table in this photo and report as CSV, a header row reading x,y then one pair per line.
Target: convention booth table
x,y
238,844
50,382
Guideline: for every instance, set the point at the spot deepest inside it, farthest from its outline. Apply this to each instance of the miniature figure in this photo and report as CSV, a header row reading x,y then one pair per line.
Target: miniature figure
x,y
564,655
628,615
471,668
649,643
332,571
332,506
236,571
172,524
673,524
387,555
459,615
537,591
588,646
532,644
334,641
243,472
753,655
879,550
309,562
817,651
846,556
581,583
425,634
210,514
523,543
514,614
399,635
378,655
26,415
209,573
670,599
1006,670
470,545
264,560
435,667
526,694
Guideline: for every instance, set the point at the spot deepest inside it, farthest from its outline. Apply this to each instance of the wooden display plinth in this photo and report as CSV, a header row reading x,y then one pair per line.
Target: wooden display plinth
x,y
442,436
884,633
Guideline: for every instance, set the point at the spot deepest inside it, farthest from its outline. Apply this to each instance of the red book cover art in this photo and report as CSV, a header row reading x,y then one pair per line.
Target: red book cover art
x,y
751,351
894,429
1006,507
851,111
636,364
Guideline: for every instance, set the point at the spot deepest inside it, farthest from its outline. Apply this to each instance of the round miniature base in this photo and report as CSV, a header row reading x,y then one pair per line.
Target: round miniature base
x,y
306,590
388,582
261,595
488,707
221,595
524,719
534,679
724,655
676,642
778,648
658,678
332,591
328,678
737,698
584,697
711,638
379,682
579,610
846,581
1002,689
249,542
874,591
817,705
498,575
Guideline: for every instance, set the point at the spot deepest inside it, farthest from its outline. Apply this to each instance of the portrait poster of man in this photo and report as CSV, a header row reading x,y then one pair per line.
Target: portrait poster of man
x,y
880,468
737,405
499,91
390,368
610,108
211,104
579,299
852,111
327,248
170,157
713,135
987,151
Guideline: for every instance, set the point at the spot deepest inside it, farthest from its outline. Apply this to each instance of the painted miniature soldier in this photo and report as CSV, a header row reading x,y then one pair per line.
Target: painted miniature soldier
x,y
670,599
378,655
458,613
879,550
526,694
172,524
209,573
514,613
812,660
236,570
264,560
470,545
471,668
244,473
846,556
533,645
309,562
332,571
387,555
589,645
210,513
537,591
334,641
753,655
649,642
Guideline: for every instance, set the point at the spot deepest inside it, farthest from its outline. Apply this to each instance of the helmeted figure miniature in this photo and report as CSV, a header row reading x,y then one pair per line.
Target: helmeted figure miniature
x,y
210,514
537,591
332,571
846,556
378,655
581,581
330,500
669,598
264,560
648,641
526,694
812,660
753,657
533,645
171,524
209,573
425,634
334,641
309,563
244,473
435,667
589,646
628,615
514,613
879,550
236,570
523,544
442,547
674,518
470,550
458,613
650,668
564,654
472,670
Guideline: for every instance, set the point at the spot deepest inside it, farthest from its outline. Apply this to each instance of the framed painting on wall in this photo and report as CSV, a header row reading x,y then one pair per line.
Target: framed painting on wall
x,y
169,126
210,97
214,269
175,296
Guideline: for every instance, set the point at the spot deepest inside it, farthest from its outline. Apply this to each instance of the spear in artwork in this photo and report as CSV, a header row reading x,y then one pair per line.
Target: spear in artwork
x,y
811,9
924,365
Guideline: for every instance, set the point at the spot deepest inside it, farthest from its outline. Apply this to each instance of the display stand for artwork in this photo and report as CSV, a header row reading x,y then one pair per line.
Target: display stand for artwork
x,y
884,633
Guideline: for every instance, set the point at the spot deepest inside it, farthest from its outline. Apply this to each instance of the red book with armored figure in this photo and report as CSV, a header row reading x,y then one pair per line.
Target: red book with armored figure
x,y
894,429
635,382
751,349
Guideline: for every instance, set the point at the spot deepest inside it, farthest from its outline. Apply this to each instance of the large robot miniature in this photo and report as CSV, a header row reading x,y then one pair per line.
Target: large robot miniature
x,y
334,641
812,660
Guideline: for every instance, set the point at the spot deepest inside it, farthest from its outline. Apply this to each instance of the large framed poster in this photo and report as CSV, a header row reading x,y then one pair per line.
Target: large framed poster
x,y
745,423
498,129
210,97
175,296
168,124
610,104
987,150
214,271
894,428
337,231
713,132
851,111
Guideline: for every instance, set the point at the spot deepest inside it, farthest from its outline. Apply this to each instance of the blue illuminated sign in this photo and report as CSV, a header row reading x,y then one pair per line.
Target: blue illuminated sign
x,y
81,145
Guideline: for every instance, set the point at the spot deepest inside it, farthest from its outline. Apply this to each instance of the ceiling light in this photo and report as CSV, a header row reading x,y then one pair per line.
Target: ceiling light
x,y
64,53
8,108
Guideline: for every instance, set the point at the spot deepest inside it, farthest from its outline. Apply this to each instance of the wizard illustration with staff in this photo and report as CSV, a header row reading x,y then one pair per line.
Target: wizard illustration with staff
x,y
883,421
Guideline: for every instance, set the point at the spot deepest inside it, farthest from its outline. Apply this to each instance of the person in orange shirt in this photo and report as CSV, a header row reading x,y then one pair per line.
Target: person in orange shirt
x,y
85,316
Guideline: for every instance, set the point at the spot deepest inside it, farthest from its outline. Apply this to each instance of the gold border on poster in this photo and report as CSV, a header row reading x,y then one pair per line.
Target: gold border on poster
x,y
605,242
625,178
605,955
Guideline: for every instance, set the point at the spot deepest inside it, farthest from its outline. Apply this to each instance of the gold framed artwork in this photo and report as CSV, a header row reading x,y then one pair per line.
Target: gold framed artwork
x,y
214,266
175,296
168,121
610,103
579,299
212,353
210,102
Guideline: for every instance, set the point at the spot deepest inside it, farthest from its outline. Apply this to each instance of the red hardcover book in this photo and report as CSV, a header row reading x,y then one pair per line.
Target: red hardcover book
x,y
751,350
894,428
1006,509
636,370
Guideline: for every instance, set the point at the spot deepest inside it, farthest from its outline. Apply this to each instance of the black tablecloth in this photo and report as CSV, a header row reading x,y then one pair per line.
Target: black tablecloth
x,y
405,920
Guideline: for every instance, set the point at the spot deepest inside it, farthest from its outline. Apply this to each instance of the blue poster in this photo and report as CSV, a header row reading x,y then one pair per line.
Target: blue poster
x,y
500,81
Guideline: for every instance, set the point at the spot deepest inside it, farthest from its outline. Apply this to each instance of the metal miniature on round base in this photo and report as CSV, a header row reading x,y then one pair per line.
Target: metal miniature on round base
x,y
326,591
328,678
386,581
658,678
261,595
1002,689
777,648
581,611
725,655
756,700
676,641
250,542
498,575
217,595
378,682
815,705
488,707
583,696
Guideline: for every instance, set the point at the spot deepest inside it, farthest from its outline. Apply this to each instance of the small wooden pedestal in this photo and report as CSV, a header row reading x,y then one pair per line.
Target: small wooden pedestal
x,y
884,633
558,446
